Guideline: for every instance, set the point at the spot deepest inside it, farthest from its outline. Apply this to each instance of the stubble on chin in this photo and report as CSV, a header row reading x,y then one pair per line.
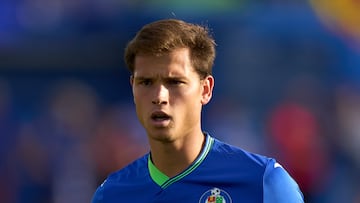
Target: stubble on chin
x,y
161,135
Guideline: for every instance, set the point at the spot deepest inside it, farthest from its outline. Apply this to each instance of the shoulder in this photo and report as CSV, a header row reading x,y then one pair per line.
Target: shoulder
x,y
131,172
236,164
118,181
227,152
279,186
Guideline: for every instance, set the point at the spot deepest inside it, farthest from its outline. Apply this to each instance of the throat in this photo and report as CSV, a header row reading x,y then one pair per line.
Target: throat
x,y
172,160
165,172
171,164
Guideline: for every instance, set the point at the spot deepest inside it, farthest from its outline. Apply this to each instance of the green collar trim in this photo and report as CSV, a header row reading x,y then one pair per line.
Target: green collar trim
x,y
164,181
157,176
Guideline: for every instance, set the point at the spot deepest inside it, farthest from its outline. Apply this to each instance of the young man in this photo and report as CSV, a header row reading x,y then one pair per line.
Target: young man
x,y
171,65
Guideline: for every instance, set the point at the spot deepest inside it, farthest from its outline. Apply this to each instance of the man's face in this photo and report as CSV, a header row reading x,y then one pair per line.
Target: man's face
x,y
169,95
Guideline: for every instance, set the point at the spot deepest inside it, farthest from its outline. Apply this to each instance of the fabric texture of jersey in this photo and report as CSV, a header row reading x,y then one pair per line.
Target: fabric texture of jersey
x,y
221,174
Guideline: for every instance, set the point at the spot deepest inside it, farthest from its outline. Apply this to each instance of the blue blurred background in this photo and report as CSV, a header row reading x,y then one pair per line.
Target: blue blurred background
x,y
287,85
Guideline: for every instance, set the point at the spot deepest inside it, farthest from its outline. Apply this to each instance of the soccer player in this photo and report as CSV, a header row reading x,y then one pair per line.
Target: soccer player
x,y
171,77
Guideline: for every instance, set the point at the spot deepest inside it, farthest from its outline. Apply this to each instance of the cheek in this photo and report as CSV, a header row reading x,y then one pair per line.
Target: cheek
x,y
191,115
135,98
139,96
192,95
139,102
140,113
190,106
185,100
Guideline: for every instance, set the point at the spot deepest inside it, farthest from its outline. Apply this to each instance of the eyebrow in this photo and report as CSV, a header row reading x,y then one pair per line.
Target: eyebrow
x,y
166,78
141,78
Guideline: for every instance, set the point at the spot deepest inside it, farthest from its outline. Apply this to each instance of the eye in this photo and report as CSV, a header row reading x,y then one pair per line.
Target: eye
x,y
175,82
145,82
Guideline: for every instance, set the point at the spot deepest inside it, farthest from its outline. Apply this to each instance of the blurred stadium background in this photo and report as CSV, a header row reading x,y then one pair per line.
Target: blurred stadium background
x,y
287,85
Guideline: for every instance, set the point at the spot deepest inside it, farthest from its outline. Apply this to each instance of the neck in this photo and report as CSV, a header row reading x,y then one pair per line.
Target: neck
x,y
173,158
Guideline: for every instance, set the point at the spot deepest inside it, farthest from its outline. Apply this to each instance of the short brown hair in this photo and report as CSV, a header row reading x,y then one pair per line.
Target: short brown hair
x,y
163,36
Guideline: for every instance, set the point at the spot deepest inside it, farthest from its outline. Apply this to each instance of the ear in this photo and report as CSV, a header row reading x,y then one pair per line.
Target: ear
x,y
131,80
207,89
132,85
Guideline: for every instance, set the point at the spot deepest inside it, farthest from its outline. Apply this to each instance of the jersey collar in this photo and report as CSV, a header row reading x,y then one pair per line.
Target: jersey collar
x,y
164,181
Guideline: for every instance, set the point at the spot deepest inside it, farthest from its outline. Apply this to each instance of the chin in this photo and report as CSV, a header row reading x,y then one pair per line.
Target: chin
x,y
161,136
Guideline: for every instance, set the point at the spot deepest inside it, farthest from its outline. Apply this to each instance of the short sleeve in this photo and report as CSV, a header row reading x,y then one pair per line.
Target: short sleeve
x,y
279,186
98,195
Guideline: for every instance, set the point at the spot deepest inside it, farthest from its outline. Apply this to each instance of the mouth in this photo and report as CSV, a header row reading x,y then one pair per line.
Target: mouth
x,y
160,116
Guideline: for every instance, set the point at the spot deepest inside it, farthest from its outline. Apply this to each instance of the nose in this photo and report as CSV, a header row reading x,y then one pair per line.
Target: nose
x,y
161,95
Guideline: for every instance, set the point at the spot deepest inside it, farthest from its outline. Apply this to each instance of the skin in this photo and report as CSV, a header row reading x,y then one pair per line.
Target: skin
x,y
169,87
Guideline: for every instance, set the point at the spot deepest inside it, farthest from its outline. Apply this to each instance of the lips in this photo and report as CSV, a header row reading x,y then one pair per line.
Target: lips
x,y
160,116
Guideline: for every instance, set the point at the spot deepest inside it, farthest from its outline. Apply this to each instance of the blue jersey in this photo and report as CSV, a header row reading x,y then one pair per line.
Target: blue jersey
x,y
221,174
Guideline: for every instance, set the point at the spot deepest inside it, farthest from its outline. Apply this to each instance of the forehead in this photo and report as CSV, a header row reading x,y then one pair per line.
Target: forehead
x,y
175,63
